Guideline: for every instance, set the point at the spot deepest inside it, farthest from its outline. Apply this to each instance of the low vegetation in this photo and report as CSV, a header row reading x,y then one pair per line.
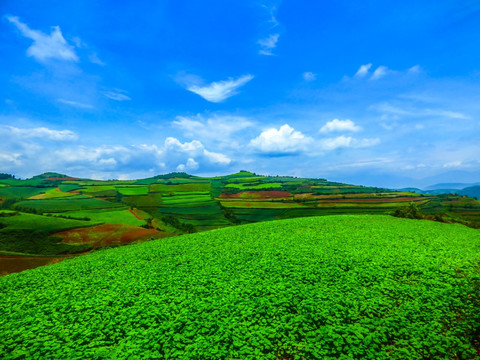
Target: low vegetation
x,y
334,287
179,203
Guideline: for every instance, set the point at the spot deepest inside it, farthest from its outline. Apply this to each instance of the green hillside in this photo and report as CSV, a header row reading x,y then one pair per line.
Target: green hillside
x,y
334,287
110,213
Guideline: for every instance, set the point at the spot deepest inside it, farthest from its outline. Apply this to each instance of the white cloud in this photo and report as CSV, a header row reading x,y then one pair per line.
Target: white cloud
x,y
379,72
418,112
44,47
452,164
75,104
273,20
340,125
217,158
309,76
39,133
285,140
221,90
190,165
268,44
415,70
347,141
94,59
363,70
218,129
117,95
334,143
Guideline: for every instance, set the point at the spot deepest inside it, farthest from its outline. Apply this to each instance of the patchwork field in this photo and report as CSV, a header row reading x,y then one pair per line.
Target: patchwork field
x,y
51,204
330,287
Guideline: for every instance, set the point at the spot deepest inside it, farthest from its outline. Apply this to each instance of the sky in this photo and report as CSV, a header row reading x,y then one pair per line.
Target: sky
x,y
372,93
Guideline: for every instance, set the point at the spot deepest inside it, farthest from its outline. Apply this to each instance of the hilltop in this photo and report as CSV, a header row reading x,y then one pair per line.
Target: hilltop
x,y
351,287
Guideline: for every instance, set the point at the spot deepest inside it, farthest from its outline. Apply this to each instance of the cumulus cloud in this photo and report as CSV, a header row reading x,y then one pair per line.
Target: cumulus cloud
x,y
44,47
309,76
379,72
268,44
191,164
218,91
340,125
195,148
347,141
284,140
363,70
26,152
117,95
38,133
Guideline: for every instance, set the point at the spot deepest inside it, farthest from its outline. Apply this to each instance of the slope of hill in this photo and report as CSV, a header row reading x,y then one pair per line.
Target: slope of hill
x,y
472,191
109,213
350,287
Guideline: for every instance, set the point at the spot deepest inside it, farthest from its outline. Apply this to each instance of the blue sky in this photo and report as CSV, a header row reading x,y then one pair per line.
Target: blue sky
x,y
371,92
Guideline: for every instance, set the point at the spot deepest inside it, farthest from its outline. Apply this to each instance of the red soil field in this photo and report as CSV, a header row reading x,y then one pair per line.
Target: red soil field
x,y
107,234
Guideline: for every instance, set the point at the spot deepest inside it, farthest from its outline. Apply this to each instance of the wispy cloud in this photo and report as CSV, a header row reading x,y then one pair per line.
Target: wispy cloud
x,y
117,95
379,72
38,133
340,125
309,76
75,104
44,47
273,20
415,70
268,44
363,70
347,141
418,112
218,129
284,140
94,59
221,90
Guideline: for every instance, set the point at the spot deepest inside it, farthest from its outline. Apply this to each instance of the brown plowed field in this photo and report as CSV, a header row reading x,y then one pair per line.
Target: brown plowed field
x,y
106,234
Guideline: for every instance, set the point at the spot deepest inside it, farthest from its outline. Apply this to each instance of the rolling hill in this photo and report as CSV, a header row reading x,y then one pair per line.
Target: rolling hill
x,y
332,287
52,213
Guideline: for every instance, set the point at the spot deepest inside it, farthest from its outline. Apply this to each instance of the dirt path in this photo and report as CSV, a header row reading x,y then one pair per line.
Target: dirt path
x,y
134,214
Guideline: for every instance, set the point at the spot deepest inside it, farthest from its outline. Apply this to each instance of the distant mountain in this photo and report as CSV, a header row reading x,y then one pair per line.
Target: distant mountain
x,y
444,186
472,191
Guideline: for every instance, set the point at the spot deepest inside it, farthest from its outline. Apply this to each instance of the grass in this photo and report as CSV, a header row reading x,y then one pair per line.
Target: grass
x,y
339,287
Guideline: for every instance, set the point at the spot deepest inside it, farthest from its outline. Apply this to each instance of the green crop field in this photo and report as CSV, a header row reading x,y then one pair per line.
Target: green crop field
x,y
107,216
334,287
67,204
207,203
247,186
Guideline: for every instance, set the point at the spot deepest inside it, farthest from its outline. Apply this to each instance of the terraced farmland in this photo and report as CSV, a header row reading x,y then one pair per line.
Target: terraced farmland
x,y
332,287
177,203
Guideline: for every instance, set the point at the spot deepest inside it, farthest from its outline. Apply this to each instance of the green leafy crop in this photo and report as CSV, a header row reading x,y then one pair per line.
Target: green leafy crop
x,y
335,287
